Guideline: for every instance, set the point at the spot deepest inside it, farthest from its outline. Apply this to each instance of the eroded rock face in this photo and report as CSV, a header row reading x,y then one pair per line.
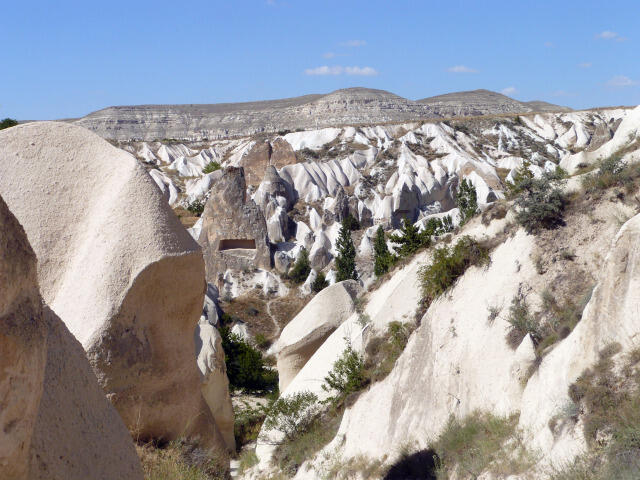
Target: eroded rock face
x,y
611,316
305,333
117,267
215,384
56,421
234,231
255,162
22,346
78,434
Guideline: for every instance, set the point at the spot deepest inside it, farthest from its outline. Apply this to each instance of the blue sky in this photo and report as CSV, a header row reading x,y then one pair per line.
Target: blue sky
x,y
67,58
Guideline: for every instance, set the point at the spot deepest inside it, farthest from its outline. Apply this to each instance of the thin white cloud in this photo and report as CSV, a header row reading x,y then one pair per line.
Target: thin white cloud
x,y
353,43
364,71
607,35
328,55
340,70
585,65
324,70
508,91
621,81
461,69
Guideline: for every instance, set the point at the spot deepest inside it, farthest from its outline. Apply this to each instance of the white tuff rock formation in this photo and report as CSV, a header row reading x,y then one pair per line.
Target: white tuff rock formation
x,y
56,421
117,267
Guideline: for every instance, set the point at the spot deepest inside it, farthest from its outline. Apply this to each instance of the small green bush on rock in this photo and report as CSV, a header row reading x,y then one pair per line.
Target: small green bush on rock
x,y
212,166
541,202
301,269
346,376
448,264
7,122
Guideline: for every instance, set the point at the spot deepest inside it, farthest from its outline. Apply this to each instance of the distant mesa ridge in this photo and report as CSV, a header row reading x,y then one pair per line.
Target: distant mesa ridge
x,y
342,107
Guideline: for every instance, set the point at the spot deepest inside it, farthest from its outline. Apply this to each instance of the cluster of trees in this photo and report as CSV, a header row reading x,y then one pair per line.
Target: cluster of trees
x,y
7,122
411,239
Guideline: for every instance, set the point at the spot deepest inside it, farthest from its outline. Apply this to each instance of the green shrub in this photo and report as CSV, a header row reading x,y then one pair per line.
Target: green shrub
x,y
438,226
448,264
319,283
609,407
292,453
521,176
466,200
346,376
247,423
477,443
245,365
383,352
196,207
522,322
612,172
262,341
541,203
301,269
212,166
410,239
182,459
7,122
293,415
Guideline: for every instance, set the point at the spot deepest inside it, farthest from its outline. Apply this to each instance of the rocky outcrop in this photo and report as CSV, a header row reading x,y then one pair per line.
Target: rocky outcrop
x,y
310,328
117,267
454,363
611,316
215,384
483,102
78,434
234,232
255,162
56,421
23,345
348,106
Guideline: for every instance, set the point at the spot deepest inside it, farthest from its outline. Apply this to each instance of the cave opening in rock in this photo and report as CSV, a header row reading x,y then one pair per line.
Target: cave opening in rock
x,y
234,243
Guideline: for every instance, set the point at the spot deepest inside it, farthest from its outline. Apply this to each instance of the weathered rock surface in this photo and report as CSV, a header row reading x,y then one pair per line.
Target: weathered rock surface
x,y
78,434
23,346
611,316
455,363
56,422
348,106
117,267
302,336
215,385
234,232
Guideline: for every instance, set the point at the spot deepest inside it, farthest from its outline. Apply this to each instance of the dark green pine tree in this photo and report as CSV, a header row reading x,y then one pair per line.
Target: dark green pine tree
x,y
346,259
467,200
410,239
382,258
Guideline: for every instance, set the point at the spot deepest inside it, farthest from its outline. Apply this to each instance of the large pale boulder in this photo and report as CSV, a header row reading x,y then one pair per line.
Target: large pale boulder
x,y
56,421
78,434
117,267
234,231
22,346
302,336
